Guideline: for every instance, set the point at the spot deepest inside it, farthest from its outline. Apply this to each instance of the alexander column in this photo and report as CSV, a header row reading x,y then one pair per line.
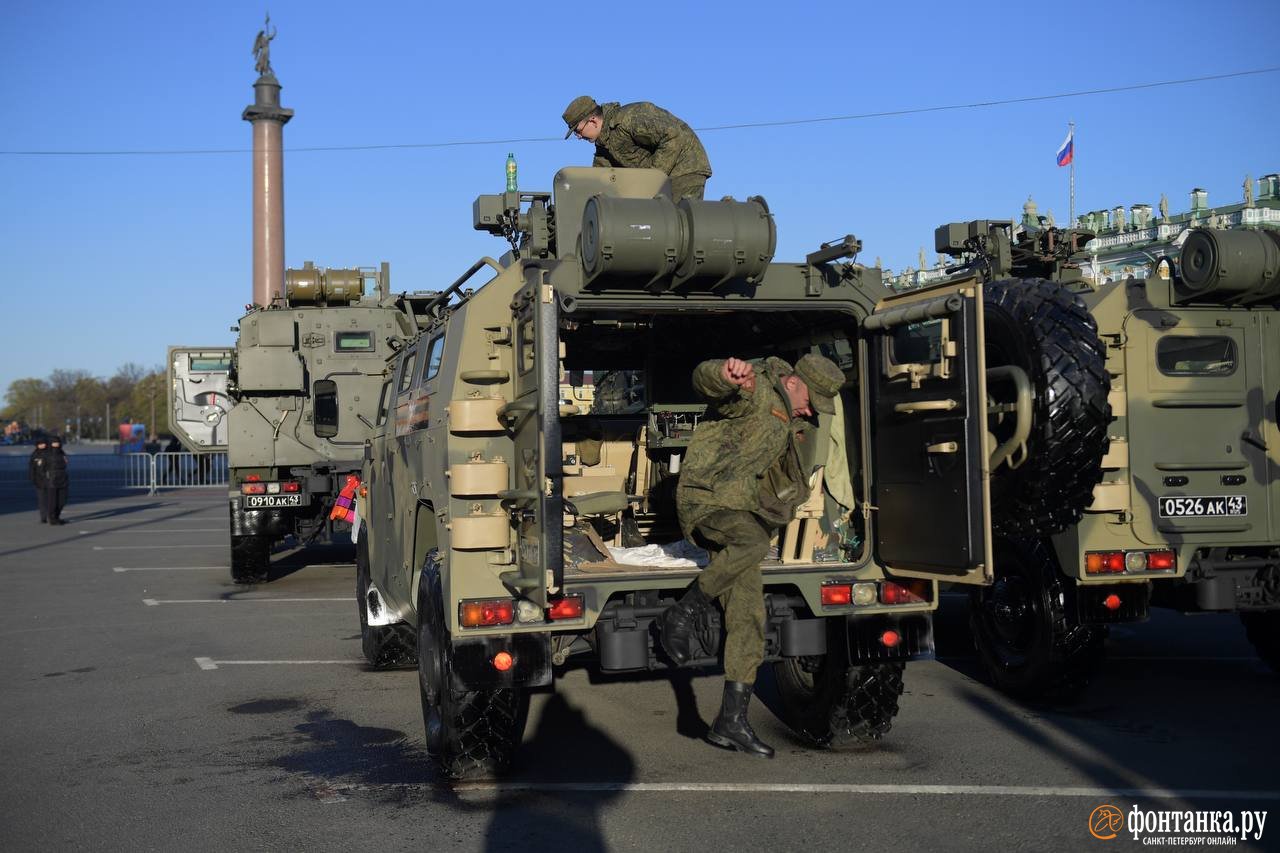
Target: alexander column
x,y
269,119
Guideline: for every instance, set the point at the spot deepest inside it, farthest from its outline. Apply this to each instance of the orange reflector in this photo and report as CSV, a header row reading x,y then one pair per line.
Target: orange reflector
x,y
474,614
890,638
364,491
1161,561
502,661
569,607
903,593
837,594
1111,602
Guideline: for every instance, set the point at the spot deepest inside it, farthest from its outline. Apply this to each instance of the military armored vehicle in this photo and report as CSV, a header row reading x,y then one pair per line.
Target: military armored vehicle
x,y
1185,514
500,512
303,385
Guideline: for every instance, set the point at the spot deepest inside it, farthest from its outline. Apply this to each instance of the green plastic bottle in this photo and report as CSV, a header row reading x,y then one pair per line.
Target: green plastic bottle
x,y
511,173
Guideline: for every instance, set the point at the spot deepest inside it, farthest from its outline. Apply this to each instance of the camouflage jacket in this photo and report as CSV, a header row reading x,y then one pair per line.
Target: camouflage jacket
x,y
642,135
733,460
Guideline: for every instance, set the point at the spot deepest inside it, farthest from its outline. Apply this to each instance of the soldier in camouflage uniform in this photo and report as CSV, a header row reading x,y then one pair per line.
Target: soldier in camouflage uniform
x,y
642,135
741,480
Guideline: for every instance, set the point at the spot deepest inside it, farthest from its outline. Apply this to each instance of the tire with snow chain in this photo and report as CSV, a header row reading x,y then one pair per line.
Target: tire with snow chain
x,y
384,646
1025,631
1263,630
470,733
827,702
1047,330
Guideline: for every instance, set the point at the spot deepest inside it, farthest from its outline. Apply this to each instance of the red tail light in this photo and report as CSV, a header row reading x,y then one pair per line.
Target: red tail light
x,y
1161,561
254,488
890,638
1111,602
495,611
569,607
1104,562
837,594
290,486
903,593
253,478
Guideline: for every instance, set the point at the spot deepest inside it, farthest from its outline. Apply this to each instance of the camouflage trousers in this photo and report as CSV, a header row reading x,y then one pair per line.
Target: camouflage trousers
x,y
688,186
737,541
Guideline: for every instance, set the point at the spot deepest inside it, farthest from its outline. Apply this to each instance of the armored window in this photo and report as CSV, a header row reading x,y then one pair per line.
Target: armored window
x,y
353,341
406,371
210,364
1178,355
434,355
324,414
917,343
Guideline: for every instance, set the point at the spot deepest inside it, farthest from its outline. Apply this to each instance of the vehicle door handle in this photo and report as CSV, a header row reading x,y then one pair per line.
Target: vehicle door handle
x,y
925,406
943,447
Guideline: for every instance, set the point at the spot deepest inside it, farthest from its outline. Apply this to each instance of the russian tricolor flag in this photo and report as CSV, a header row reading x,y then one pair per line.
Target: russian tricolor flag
x,y
1067,150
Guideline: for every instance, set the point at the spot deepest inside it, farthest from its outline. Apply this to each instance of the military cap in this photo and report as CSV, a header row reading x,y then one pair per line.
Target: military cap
x,y
824,379
579,108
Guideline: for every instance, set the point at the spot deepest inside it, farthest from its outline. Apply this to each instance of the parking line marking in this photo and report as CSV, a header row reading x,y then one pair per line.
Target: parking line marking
x,y
1170,658
132,532
895,790
155,602
210,663
169,568
143,547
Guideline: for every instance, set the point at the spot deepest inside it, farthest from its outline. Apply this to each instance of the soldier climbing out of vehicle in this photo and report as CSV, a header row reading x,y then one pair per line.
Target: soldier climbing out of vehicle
x,y
741,481
641,135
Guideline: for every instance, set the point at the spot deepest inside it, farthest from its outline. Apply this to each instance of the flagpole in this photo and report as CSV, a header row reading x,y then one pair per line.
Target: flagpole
x,y
1071,221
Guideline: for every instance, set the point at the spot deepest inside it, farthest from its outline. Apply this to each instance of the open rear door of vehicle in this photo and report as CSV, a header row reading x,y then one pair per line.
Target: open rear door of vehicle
x,y
533,419
929,444
197,394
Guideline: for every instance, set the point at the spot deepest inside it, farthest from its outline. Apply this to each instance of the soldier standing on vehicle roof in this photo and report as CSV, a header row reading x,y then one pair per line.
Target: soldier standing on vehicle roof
x,y
742,480
641,135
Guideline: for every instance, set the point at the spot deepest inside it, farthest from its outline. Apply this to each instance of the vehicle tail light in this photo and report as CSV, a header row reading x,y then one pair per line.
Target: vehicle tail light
x,y
1111,602
253,488
837,594
502,661
1161,561
1104,562
291,486
912,592
569,607
273,488
493,611
890,638
253,478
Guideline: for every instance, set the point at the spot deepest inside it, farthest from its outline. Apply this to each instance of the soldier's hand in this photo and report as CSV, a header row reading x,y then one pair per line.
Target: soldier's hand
x,y
738,372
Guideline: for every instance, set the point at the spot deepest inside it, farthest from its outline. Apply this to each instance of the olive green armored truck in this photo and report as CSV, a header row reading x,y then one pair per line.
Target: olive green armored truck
x,y
303,382
1187,511
518,503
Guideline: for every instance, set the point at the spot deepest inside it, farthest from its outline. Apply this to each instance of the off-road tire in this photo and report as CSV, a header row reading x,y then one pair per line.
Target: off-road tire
x,y
1025,631
384,646
1047,330
1263,630
470,734
250,559
827,702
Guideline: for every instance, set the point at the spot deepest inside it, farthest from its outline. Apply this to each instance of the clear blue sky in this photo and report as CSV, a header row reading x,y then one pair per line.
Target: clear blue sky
x,y
108,259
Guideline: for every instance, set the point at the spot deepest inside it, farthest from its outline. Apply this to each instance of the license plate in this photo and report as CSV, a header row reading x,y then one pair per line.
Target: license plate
x,y
1191,506
271,501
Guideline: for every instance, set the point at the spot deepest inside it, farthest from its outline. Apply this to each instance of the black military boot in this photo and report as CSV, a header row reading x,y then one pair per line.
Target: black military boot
x,y
677,623
731,729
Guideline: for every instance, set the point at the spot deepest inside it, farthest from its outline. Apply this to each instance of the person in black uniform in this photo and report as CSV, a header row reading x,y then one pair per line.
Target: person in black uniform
x,y
57,480
37,470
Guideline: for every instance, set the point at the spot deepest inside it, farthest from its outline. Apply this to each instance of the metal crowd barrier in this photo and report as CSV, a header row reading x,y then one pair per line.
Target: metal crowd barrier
x,y
95,473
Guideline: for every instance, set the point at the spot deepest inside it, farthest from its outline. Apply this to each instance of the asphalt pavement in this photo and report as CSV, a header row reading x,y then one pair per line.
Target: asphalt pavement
x,y
150,704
